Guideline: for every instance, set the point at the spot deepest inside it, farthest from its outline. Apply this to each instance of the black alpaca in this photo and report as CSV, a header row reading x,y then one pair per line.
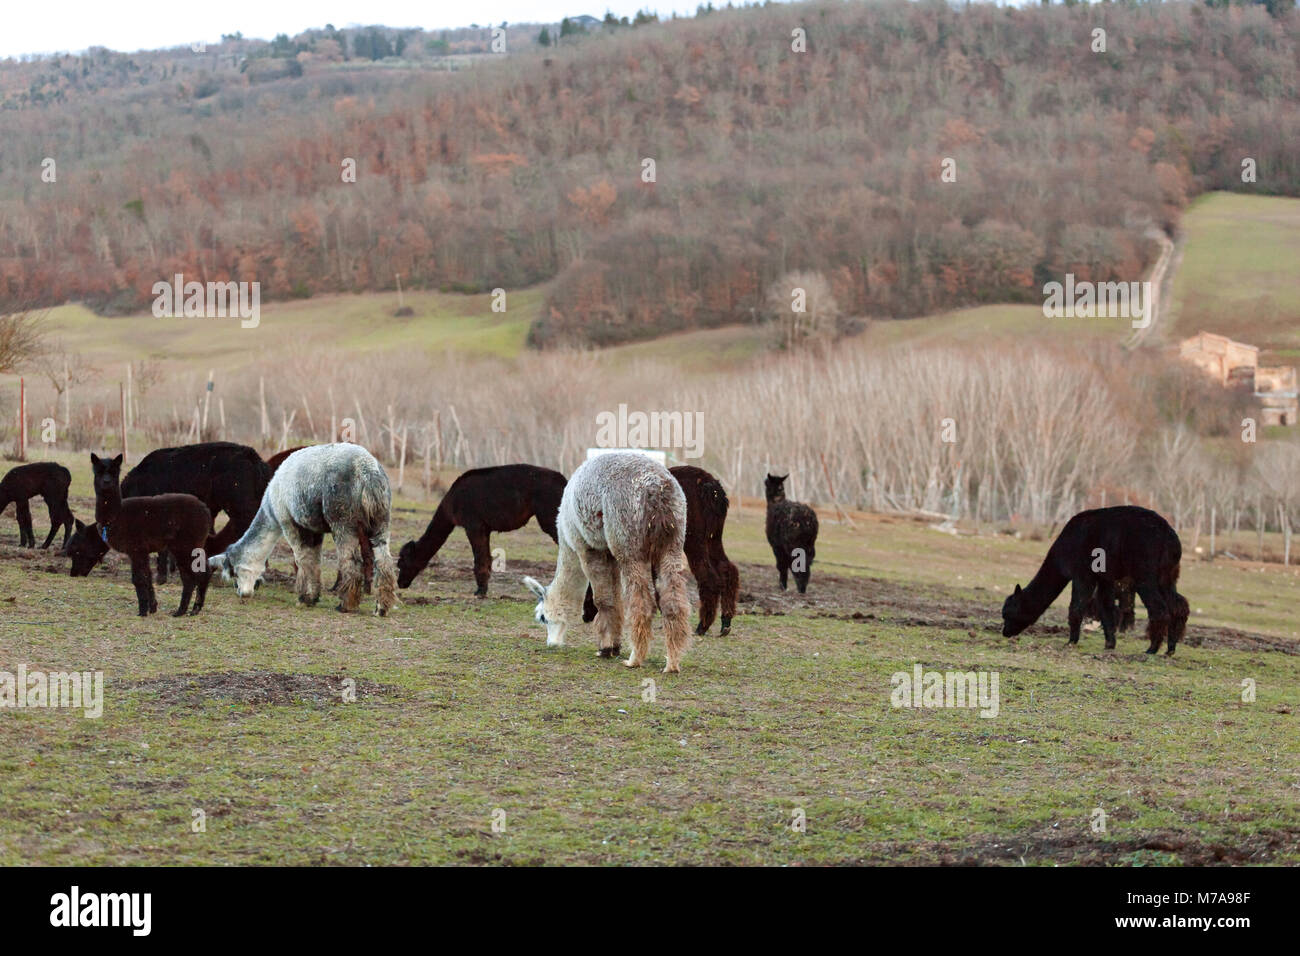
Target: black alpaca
x,y
481,501
1099,552
174,524
223,475
792,533
48,480
715,574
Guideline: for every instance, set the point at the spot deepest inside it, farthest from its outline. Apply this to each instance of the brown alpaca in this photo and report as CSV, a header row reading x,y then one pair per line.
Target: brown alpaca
x,y
50,482
174,524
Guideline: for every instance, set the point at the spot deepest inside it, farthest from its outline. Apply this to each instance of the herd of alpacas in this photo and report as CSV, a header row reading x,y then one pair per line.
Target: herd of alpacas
x,y
626,527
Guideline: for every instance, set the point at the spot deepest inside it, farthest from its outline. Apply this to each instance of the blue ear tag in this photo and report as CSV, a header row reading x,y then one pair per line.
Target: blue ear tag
x,y
103,533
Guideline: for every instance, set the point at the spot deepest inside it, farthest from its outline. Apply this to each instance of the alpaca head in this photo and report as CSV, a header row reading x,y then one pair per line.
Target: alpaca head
x,y
86,548
408,565
107,473
246,576
1015,616
549,611
774,486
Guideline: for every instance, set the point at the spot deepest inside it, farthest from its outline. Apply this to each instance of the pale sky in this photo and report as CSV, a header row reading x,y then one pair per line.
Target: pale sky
x,y
70,26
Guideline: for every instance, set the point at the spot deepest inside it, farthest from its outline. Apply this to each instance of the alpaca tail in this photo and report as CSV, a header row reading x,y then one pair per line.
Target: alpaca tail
x,y
665,528
376,500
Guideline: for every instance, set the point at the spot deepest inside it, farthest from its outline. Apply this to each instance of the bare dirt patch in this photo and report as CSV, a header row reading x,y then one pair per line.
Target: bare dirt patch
x,y
253,687
1085,849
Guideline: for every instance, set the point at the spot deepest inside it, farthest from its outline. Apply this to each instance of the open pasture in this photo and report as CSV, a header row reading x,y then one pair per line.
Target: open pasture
x,y
463,719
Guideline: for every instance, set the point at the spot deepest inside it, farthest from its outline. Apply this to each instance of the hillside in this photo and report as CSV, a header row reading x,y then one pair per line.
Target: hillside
x,y
527,168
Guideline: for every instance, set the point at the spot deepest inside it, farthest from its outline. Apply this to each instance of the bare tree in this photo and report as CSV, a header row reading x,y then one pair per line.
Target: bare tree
x,y
22,339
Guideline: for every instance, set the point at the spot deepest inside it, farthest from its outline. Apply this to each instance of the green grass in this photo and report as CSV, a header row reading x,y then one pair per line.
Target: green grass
x,y
464,711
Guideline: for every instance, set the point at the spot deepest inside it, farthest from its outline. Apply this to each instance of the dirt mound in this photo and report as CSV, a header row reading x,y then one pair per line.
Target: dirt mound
x,y
1087,849
254,687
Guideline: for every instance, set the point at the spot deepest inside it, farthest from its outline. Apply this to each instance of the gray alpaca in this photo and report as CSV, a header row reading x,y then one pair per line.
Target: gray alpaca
x,y
338,488
621,526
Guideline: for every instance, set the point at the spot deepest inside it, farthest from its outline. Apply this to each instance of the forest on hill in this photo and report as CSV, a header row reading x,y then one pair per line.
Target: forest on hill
x,y
532,166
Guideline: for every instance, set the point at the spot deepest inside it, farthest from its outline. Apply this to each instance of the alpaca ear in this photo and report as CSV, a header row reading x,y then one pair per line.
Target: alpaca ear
x,y
535,586
116,462
94,460
1017,588
784,477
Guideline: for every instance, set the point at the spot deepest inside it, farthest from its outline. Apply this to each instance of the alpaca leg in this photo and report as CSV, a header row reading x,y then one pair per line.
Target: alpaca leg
x,y
143,582
188,581
710,585
638,601
385,572
1125,604
202,580
801,578
349,552
23,512
162,567
1157,615
306,546
56,516
1179,611
1081,593
730,592
675,605
367,558
782,565
1107,612
480,543
602,571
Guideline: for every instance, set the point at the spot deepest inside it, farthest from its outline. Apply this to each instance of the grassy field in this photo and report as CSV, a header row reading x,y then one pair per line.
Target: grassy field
x,y
462,712
1237,273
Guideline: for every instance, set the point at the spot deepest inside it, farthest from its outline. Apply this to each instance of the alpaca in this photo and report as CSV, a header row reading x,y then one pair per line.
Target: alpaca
x,y
484,500
48,480
338,488
716,575
223,475
792,533
176,524
367,555
621,526
1124,597
1099,552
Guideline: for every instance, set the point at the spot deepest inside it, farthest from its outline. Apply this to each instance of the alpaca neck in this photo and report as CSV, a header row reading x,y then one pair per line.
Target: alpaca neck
x,y
108,504
256,545
1046,586
570,584
435,535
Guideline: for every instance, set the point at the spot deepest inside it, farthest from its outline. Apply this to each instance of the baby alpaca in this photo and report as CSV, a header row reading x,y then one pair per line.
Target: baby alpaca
x,y
792,533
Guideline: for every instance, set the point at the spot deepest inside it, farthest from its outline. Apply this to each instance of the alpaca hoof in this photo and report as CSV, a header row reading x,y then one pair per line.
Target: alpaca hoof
x,y
1110,645
1152,650
1169,653
608,651
179,613
672,669
631,663
701,630
480,593
726,629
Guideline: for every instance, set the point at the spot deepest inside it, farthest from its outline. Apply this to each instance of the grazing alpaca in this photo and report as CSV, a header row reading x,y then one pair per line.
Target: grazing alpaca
x,y
223,475
792,533
367,555
178,525
716,575
48,480
622,526
1098,552
336,488
481,501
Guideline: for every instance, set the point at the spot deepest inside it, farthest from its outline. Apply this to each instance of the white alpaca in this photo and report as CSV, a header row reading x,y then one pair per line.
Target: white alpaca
x,y
622,521
338,488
